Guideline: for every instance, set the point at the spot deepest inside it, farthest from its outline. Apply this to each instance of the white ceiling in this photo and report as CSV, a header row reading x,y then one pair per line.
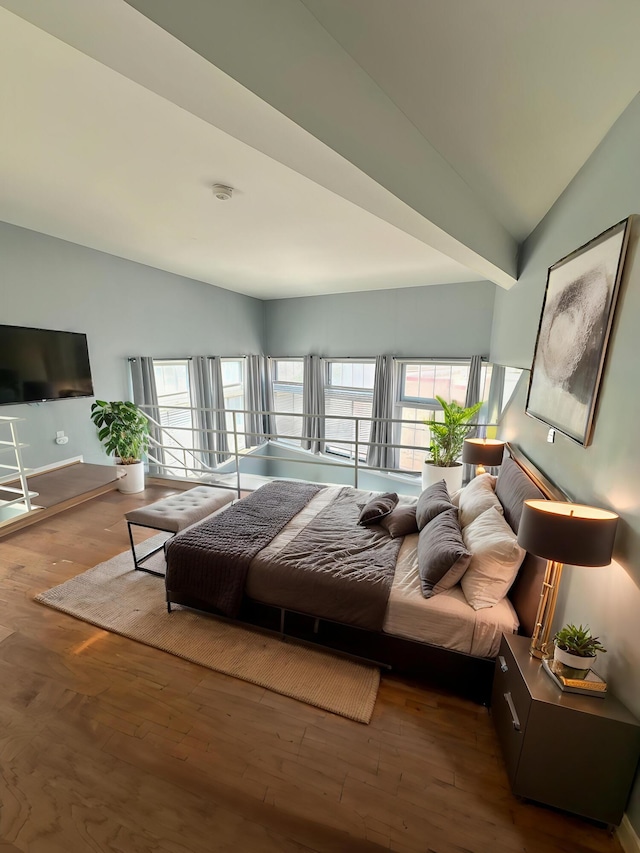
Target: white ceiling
x,y
117,131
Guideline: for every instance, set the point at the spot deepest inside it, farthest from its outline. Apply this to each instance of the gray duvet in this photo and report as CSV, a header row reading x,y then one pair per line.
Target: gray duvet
x,y
208,563
331,568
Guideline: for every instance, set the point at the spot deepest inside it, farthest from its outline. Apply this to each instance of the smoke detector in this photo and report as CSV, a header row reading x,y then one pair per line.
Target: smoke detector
x,y
221,192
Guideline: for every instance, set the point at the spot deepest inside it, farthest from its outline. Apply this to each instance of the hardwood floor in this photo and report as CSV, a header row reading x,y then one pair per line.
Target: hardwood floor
x,y
108,745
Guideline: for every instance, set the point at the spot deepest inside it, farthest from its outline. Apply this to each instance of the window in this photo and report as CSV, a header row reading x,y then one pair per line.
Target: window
x,y
348,393
419,384
174,389
288,376
233,390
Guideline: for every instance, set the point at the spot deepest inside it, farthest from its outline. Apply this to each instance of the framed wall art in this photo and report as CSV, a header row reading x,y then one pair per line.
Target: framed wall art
x,y
576,319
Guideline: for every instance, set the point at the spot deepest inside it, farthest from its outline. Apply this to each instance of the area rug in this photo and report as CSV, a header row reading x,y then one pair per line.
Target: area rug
x,y
115,597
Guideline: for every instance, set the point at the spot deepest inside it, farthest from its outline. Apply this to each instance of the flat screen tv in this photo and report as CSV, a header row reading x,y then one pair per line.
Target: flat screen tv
x,y
42,364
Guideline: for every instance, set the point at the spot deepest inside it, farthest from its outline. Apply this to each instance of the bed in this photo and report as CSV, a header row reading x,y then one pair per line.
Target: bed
x,y
295,560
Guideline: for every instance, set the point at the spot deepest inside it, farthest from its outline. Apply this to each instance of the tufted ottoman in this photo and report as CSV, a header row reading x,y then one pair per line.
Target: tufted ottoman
x,y
174,514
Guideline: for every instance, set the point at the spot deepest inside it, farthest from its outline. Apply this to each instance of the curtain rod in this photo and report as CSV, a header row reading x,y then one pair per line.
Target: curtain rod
x,y
300,357
373,358
162,357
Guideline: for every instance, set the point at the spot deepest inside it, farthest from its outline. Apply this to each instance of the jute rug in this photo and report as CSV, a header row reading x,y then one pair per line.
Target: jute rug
x,y
115,597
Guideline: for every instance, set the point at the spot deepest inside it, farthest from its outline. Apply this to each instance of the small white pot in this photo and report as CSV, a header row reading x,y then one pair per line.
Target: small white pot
x,y
130,477
434,473
573,666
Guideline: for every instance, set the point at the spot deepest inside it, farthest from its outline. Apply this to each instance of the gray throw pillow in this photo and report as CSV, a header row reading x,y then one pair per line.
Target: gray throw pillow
x,y
442,555
401,522
377,508
432,502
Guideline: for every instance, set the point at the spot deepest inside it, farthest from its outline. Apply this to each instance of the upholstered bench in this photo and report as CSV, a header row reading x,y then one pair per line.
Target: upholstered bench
x,y
173,514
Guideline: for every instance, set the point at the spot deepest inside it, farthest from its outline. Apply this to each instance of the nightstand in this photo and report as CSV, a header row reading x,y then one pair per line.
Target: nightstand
x,y
573,752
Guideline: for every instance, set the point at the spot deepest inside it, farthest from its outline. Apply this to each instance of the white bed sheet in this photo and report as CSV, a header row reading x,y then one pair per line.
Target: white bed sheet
x,y
445,619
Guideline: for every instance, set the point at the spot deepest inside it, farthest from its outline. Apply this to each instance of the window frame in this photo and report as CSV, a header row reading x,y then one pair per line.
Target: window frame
x,y
362,393
426,404
241,443
289,384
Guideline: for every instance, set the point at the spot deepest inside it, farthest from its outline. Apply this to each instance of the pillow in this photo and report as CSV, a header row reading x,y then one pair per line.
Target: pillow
x,y
400,522
442,555
377,508
496,558
432,502
455,497
477,497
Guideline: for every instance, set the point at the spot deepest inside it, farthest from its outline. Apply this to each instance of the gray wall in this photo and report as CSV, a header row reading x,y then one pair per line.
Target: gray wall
x,y
607,473
441,320
125,309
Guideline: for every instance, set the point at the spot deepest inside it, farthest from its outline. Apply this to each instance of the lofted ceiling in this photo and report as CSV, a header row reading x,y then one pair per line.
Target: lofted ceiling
x,y
371,145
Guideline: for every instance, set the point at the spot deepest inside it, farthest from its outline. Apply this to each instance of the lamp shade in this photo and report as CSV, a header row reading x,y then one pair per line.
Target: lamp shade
x,y
568,533
483,451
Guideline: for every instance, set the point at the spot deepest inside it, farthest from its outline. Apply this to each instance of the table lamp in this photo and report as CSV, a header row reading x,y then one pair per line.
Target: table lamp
x,y
482,452
562,532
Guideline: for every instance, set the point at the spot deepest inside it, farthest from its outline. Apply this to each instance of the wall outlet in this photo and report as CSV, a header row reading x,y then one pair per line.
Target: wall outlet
x,y
61,438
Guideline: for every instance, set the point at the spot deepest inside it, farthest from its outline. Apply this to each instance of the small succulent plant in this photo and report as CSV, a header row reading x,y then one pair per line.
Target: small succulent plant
x,y
578,641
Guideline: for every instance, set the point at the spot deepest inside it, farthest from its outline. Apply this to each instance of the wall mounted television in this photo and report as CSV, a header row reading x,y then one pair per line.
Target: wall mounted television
x,y
43,364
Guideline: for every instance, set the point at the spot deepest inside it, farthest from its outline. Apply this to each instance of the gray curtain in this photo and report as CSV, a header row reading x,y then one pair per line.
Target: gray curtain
x,y
496,392
217,397
382,455
145,394
209,397
259,400
473,397
205,419
313,404
267,385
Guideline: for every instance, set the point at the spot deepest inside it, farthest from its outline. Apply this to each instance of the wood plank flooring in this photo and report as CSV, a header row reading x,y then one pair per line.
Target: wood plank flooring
x,y
107,745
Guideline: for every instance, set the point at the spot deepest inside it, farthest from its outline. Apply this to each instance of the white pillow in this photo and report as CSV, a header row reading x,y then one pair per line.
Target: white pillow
x,y
495,559
477,497
455,497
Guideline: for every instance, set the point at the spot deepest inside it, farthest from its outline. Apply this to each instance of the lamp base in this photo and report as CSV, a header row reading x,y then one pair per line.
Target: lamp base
x,y
546,609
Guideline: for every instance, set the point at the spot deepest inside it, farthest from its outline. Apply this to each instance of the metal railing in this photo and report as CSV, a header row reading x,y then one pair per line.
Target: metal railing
x,y
16,472
170,459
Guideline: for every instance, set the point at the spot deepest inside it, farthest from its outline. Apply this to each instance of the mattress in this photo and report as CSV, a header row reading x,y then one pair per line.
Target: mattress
x,y
445,619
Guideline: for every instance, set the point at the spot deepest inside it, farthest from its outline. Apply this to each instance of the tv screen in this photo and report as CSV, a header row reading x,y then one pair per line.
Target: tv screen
x,y
41,364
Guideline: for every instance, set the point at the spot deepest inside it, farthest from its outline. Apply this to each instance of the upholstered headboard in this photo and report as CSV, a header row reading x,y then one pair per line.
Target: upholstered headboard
x,y
516,484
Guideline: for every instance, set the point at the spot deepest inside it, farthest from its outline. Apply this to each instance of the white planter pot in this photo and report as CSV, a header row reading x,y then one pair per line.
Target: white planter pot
x,y
434,473
573,666
130,478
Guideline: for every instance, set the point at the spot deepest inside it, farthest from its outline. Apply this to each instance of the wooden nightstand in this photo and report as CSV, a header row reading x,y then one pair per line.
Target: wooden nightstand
x,y
577,753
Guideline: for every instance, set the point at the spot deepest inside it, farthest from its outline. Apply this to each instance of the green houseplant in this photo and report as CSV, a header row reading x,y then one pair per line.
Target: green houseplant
x,y
575,650
124,431
447,439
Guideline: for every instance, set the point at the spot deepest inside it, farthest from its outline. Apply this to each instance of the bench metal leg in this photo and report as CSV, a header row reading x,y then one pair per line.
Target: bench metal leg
x,y
138,562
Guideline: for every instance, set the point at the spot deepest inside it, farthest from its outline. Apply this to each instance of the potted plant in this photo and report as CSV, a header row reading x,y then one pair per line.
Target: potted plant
x,y
575,651
447,439
124,431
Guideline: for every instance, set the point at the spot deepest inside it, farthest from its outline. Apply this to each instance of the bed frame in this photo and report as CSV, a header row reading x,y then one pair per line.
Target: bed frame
x,y
461,673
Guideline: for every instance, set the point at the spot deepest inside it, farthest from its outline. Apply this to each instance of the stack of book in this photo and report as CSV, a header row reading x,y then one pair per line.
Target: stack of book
x,y
590,685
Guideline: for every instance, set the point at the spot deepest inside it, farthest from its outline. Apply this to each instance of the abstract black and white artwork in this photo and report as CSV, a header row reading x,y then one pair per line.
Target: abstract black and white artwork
x,y
575,323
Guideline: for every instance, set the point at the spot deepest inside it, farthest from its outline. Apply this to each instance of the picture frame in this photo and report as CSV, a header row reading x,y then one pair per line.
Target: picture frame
x,y
573,333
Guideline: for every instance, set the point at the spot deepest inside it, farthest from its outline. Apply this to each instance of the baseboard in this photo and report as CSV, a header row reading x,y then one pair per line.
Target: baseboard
x,y
627,837
31,472
43,469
